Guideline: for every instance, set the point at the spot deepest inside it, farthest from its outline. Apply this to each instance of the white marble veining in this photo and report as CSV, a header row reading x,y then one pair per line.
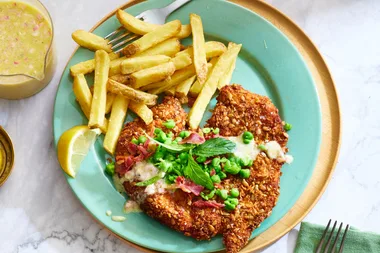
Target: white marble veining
x,y
39,213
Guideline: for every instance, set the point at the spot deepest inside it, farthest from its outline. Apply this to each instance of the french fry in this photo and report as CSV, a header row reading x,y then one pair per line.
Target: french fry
x,y
142,111
91,41
109,101
200,104
152,38
171,91
225,79
185,32
134,64
197,86
151,75
84,97
183,88
199,50
137,26
124,79
130,93
98,104
213,49
181,61
176,78
115,123
83,94
168,47
87,67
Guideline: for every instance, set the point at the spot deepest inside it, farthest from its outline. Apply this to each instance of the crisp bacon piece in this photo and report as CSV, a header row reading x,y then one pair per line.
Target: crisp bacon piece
x,y
132,148
212,203
188,186
193,138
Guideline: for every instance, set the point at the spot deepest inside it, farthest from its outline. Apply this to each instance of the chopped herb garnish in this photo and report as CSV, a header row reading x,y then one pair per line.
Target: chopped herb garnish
x,y
149,181
214,147
175,148
194,172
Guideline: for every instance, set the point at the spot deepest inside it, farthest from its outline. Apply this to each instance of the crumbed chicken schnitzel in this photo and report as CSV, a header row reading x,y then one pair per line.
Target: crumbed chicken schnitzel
x,y
237,111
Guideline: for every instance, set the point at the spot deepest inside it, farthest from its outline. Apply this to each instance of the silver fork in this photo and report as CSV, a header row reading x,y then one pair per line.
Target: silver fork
x,y
154,16
324,235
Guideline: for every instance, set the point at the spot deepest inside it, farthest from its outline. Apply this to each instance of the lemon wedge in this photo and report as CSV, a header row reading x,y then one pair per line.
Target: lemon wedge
x,y
73,146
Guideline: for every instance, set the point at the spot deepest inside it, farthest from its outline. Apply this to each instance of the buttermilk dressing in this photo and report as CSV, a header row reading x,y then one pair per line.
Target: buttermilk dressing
x,y
251,150
131,207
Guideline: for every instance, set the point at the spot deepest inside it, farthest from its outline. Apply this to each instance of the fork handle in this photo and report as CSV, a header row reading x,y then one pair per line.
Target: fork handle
x,y
175,5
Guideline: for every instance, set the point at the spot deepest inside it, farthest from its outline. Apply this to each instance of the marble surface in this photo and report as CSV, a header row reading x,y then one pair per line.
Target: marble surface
x,y
39,213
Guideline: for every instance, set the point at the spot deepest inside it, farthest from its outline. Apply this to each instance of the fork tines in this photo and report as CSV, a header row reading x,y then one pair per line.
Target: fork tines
x,y
119,38
330,236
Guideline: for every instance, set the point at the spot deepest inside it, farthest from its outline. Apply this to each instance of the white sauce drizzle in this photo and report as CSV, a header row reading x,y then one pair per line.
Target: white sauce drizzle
x,y
131,207
251,150
118,218
141,171
244,150
108,212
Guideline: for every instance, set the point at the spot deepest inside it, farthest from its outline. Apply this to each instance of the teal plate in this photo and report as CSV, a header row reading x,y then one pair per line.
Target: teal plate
x,y
268,64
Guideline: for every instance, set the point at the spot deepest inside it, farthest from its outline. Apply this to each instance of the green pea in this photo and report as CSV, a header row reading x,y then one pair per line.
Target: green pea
x,y
215,162
157,131
164,165
206,130
184,134
244,173
288,126
170,135
161,137
246,141
201,159
135,141
178,139
223,194
142,139
169,157
170,124
247,135
245,161
262,147
110,169
234,192
158,155
183,156
216,130
216,179
172,178
218,169
222,175
232,168
223,160
168,141
229,206
234,201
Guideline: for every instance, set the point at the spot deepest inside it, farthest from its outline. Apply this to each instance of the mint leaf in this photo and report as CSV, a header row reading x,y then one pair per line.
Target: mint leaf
x,y
149,181
175,148
215,146
195,173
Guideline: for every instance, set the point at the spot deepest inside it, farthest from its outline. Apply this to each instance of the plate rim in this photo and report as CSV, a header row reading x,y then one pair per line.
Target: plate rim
x,y
248,4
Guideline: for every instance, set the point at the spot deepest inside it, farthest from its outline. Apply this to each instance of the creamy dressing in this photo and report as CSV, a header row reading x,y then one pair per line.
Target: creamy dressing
x,y
142,171
131,207
251,150
274,151
118,218
108,212
158,187
245,150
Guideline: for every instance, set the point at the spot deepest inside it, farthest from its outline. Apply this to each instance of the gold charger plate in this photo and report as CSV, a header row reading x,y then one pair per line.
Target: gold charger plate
x,y
331,122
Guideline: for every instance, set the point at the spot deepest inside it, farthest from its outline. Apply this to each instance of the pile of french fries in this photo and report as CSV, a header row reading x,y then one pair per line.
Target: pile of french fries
x,y
156,62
